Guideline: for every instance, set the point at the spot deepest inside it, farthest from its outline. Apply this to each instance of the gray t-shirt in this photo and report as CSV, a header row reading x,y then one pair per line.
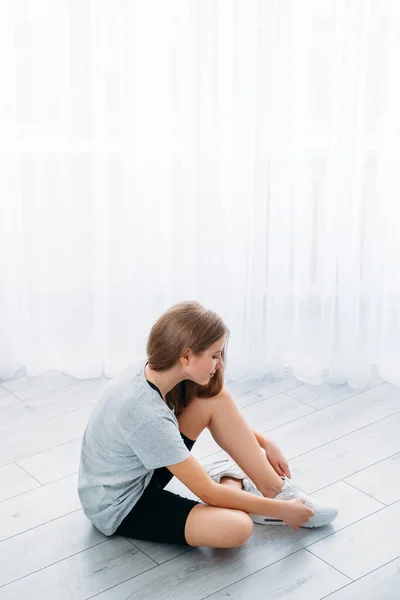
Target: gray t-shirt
x,y
131,431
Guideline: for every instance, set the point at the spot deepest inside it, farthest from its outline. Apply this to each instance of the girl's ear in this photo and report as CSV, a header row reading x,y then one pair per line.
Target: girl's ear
x,y
185,355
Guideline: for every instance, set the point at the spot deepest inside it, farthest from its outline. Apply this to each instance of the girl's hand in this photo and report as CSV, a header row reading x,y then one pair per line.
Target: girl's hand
x,y
277,460
295,513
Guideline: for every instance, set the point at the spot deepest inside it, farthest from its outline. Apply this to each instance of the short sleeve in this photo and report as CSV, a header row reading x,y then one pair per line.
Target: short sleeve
x,y
158,443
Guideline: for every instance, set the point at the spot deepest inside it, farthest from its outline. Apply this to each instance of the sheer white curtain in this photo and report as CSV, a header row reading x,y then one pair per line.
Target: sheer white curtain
x,y
242,153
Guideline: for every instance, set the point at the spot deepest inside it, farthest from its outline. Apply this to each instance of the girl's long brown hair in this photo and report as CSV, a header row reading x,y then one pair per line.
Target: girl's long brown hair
x,y
186,325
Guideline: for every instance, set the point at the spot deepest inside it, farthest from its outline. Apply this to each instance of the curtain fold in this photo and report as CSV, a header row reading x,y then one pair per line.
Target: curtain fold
x,y
241,153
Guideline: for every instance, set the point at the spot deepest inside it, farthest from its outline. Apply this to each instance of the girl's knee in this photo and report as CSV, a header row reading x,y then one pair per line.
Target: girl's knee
x,y
217,527
243,528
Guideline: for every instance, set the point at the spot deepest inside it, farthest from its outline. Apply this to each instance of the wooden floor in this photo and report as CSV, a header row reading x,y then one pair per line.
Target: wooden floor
x,y
342,444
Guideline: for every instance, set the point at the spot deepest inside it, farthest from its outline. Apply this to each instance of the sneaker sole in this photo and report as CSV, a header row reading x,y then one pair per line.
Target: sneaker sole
x,y
319,522
260,520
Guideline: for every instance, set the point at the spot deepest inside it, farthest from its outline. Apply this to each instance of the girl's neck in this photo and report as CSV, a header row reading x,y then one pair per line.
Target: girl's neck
x,y
164,380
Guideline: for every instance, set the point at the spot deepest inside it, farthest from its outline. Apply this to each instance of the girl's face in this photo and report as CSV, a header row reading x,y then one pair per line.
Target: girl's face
x,y
201,369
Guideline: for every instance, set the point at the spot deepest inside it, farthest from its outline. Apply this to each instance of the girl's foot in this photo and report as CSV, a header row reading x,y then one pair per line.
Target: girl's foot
x,y
323,514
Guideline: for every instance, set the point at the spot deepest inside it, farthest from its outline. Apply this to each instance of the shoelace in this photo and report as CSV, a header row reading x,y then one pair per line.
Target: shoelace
x,y
288,494
298,493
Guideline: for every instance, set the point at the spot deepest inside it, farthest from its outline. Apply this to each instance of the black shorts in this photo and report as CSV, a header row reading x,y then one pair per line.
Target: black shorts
x,y
159,515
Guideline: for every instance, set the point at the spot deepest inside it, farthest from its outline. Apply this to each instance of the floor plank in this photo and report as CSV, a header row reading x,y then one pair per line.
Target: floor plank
x,y
82,575
363,546
25,387
46,544
7,399
323,426
249,390
14,481
382,584
159,552
270,413
38,506
344,457
55,463
321,396
43,436
297,577
380,481
51,404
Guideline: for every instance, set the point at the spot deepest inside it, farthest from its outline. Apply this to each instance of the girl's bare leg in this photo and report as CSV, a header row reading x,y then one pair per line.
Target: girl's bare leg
x,y
217,527
223,527
231,432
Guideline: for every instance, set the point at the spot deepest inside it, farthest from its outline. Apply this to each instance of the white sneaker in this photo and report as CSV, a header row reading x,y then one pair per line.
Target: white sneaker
x,y
224,468
323,515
